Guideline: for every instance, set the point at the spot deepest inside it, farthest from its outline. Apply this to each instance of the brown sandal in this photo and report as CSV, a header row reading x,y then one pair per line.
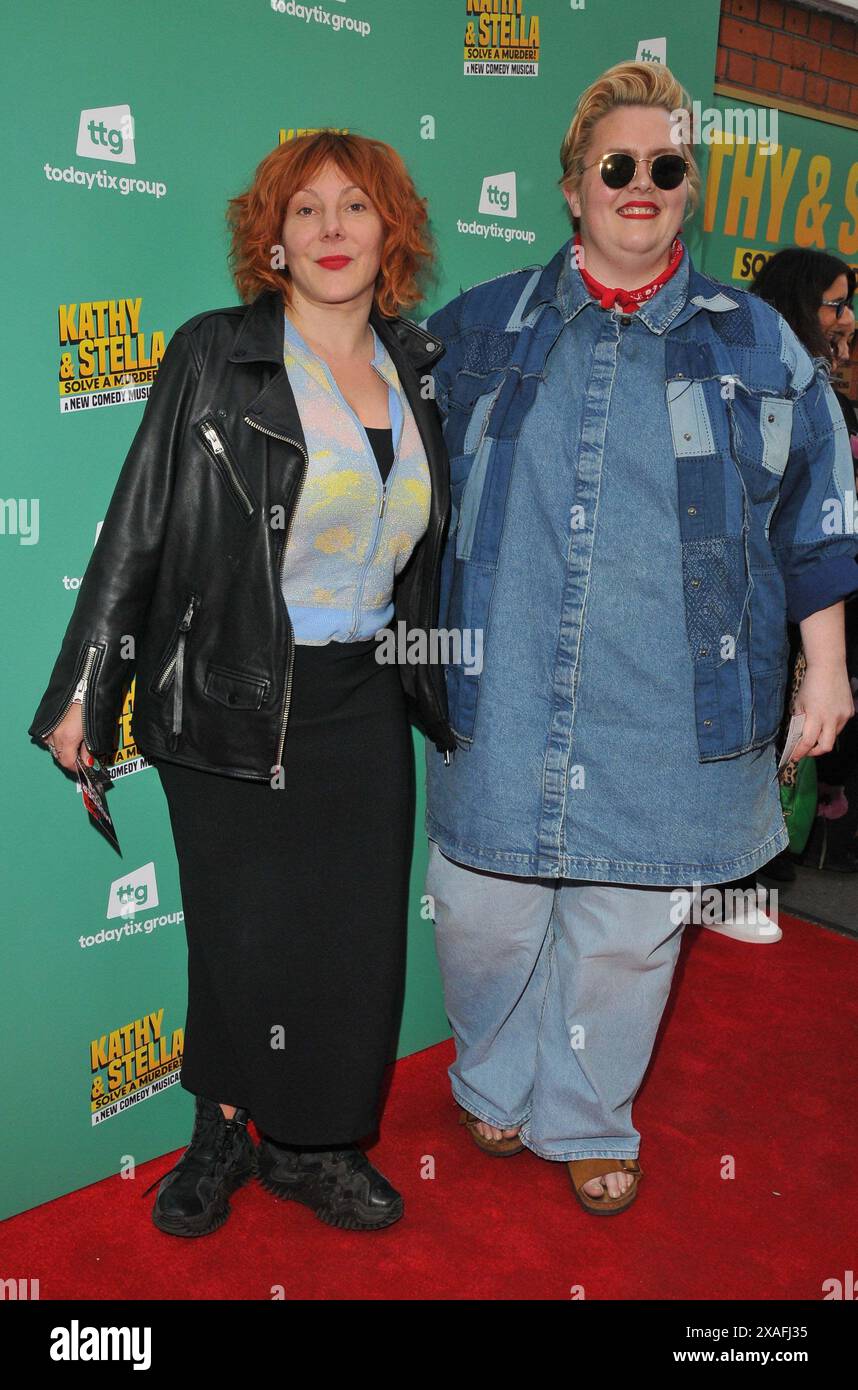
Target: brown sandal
x,y
581,1170
501,1148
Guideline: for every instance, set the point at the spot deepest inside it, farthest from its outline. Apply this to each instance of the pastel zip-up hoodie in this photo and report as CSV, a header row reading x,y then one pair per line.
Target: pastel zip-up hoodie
x,y
351,534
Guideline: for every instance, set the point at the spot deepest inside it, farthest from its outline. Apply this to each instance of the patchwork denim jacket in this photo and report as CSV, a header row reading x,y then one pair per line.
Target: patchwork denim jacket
x,y
764,477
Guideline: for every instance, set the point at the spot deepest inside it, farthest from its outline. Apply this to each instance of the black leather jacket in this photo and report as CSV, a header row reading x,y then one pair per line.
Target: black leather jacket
x,y
188,560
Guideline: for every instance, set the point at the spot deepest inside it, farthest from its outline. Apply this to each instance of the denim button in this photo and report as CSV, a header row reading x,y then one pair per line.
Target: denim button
x,y
692,511
707,723
704,651
689,419
695,583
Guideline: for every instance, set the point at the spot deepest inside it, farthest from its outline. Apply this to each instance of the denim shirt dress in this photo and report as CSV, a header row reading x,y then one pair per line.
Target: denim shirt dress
x,y
584,760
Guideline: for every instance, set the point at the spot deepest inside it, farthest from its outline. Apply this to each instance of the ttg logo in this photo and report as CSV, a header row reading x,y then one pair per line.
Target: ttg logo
x,y
652,51
133,892
107,132
498,195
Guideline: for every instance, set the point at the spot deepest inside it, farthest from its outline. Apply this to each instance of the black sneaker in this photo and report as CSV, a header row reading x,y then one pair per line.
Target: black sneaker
x,y
193,1198
339,1185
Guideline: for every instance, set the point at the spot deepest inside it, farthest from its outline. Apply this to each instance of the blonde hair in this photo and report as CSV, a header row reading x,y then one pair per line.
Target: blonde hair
x,y
625,84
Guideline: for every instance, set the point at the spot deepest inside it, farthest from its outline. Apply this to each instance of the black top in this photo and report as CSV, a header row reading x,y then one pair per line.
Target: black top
x,y
382,446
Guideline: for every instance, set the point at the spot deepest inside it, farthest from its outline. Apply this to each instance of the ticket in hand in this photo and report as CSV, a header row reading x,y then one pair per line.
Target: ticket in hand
x,y
794,733
94,782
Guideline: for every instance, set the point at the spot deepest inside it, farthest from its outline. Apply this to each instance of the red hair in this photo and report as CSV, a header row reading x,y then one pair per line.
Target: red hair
x,y
256,217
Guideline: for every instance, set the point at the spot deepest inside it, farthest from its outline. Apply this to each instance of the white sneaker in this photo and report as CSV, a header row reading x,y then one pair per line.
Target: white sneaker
x,y
758,932
740,919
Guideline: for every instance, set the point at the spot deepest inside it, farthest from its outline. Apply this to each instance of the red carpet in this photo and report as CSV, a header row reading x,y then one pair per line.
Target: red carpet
x,y
756,1059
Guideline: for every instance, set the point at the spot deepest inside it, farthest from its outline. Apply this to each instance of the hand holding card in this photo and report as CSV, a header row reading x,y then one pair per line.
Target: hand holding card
x,y
794,733
94,783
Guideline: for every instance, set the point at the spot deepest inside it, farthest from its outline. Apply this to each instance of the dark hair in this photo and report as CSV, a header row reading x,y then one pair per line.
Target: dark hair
x,y
794,281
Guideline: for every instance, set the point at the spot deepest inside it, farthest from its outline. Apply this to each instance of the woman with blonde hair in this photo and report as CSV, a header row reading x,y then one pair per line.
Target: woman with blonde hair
x,y
281,506
641,460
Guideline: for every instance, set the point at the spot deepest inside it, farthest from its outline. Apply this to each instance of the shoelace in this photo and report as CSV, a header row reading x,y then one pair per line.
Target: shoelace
x,y
204,1132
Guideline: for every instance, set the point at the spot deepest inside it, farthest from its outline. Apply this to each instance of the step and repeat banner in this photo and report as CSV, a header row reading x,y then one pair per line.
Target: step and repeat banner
x,y
130,127
777,179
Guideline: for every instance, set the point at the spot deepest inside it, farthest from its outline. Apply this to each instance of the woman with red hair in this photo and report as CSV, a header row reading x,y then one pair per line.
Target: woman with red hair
x,y
282,506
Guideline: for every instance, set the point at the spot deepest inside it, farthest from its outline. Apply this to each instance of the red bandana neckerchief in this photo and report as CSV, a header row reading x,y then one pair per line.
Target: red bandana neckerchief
x,y
628,300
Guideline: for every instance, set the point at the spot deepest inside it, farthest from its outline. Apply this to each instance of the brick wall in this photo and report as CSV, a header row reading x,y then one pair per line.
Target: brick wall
x,y
787,52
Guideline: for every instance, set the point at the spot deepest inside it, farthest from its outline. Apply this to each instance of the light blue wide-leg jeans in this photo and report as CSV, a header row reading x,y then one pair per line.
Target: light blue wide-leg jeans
x,y
554,991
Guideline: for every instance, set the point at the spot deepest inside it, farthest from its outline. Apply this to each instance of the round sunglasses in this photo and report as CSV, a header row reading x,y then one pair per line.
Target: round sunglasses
x,y
617,170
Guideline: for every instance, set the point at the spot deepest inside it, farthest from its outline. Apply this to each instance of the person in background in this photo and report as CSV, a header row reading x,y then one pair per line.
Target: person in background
x,y
814,291
841,340
834,841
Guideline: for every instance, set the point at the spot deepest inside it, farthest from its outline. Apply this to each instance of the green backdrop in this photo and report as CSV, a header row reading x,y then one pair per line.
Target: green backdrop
x,y
94,1002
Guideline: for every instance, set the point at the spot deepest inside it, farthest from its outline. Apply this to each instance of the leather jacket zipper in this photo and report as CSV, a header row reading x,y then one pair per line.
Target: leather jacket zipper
x,y
164,679
217,448
80,688
83,686
177,661
287,693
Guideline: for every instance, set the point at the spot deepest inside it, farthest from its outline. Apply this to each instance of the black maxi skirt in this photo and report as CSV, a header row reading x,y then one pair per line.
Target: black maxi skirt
x,y
296,905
